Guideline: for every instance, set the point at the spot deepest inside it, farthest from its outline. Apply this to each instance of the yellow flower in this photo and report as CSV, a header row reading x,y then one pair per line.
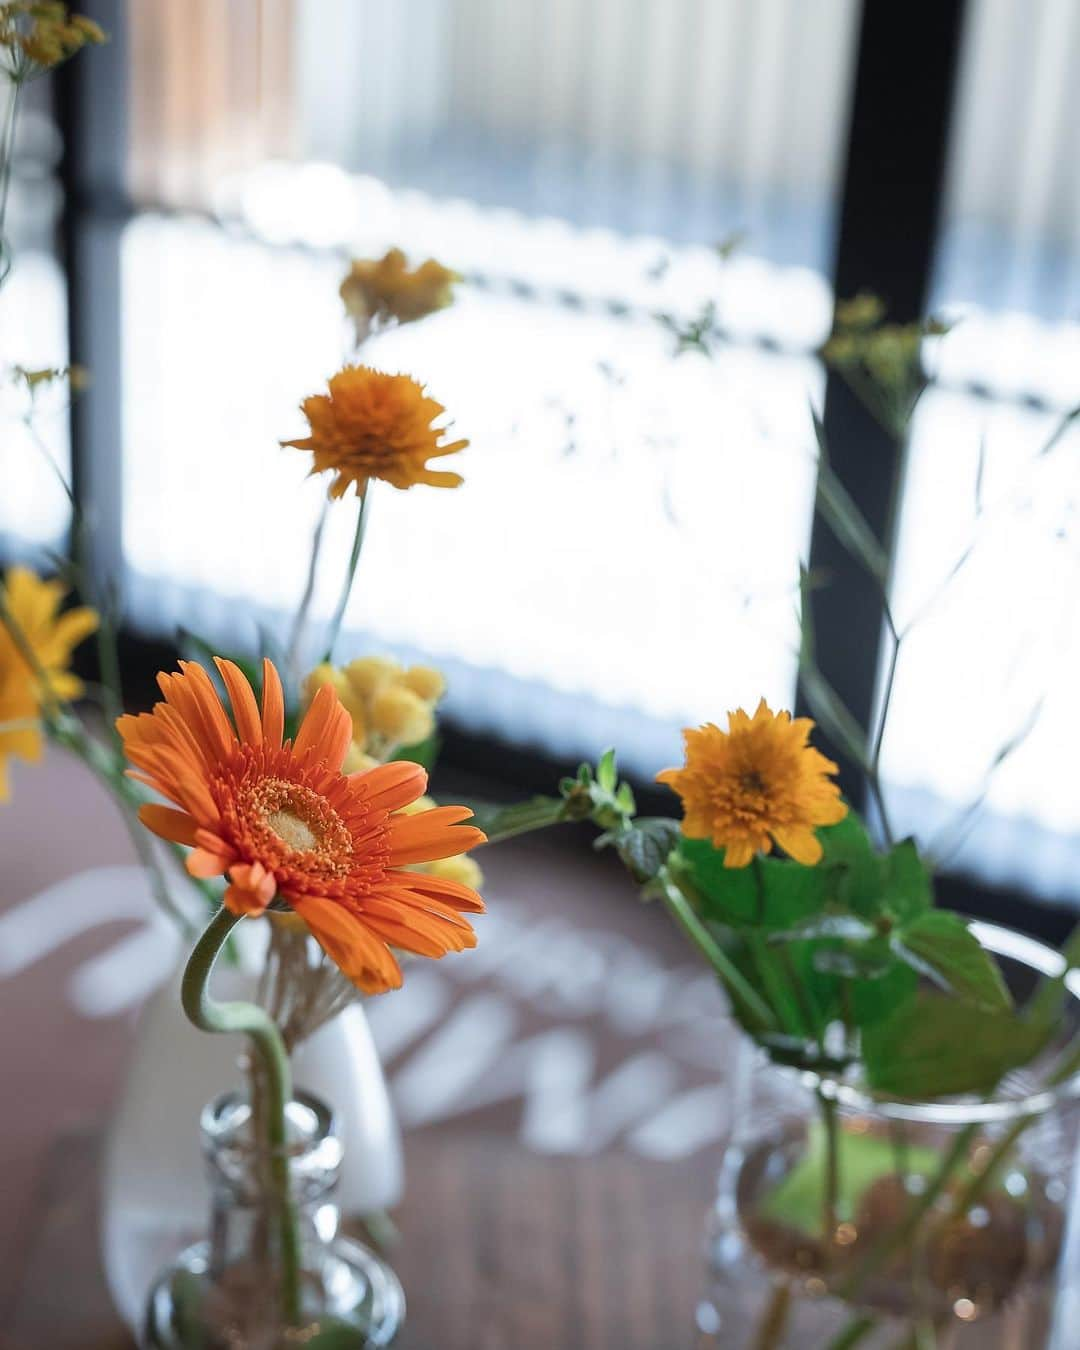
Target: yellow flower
x,y
374,425
34,606
36,35
389,707
758,783
385,288
368,673
401,716
425,681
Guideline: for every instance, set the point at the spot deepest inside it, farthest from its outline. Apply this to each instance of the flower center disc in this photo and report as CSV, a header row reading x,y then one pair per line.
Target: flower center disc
x,y
295,818
294,831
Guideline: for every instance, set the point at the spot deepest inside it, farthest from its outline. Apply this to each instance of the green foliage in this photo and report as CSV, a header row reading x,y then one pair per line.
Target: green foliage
x,y
940,946
645,846
934,1045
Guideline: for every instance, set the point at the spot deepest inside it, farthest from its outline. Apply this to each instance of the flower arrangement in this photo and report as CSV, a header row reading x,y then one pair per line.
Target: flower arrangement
x,y
293,801
291,795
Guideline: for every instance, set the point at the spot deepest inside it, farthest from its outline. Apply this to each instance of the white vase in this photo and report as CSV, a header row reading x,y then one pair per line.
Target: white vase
x,y
155,1195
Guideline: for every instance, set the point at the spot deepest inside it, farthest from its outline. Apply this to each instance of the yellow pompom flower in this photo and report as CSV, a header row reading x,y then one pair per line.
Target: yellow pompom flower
x,y
400,716
426,682
756,784
368,673
374,425
386,288
51,637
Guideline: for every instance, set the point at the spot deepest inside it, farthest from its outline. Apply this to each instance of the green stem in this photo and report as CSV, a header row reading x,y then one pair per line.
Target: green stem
x,y
209,1015
294,649
831,1188
733,980
504,822
350,575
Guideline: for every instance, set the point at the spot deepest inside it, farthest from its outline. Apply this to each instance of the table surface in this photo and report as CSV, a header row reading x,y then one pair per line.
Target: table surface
x,y
502,1249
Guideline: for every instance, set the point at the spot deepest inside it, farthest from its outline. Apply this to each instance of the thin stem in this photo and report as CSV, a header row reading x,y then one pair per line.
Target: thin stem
x,y
7,146
296,638
733,980
770,1333
831,1188
47,456
209,1015
350,575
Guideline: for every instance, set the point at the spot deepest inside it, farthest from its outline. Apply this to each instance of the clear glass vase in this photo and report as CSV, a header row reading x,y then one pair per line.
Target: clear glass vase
x,y
843,1220
224,1293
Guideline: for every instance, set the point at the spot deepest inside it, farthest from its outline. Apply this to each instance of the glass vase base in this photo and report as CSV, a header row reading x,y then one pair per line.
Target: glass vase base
x,y
749,1306
355,1302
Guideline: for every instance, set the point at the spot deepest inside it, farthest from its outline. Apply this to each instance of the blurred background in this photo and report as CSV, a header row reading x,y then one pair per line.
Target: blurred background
x,y
633,517
607,175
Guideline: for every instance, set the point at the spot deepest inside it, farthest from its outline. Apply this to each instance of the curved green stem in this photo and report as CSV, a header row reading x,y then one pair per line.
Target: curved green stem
x,y
733,980
209,1015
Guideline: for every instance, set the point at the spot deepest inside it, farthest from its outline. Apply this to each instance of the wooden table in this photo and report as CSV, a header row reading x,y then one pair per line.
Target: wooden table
x,y
502,1250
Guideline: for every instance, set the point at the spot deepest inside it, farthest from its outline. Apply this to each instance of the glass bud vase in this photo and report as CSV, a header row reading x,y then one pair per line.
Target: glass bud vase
x,y
224,1293
847,1220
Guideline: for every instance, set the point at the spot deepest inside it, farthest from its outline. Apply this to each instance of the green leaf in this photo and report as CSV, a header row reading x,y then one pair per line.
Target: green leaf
x,y
845,926
853,963
770,894
606,775
645,845
934,1046
424,752
855,871
873,999
940,946
908,892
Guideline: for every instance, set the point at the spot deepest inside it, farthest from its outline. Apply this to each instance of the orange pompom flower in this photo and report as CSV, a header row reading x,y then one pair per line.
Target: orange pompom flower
x,y
758,783
287,826
374,425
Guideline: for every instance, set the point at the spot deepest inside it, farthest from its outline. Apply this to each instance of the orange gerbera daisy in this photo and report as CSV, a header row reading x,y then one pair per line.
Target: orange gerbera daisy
x,y
285,825
758,783
374,425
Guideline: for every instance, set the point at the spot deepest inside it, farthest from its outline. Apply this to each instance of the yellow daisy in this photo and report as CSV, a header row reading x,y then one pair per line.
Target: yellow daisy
x,y
34,607
756,784
374,425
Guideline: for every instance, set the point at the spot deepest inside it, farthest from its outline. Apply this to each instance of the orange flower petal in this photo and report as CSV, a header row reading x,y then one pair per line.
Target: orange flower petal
x,y
163,821
273,706
361,957
326,730
245,709
392,786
